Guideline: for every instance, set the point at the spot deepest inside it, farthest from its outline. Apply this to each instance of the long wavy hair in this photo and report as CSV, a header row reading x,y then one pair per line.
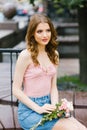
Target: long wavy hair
x,y
32,45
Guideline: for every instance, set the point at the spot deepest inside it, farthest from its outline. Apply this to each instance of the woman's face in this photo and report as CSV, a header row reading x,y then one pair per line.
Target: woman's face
x,y
42,34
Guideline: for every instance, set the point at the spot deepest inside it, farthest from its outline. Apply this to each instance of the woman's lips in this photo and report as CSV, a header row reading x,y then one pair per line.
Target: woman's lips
x,y
44,40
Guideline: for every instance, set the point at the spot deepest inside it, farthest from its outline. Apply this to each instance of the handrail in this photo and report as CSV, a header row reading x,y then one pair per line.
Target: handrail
x,y
8,50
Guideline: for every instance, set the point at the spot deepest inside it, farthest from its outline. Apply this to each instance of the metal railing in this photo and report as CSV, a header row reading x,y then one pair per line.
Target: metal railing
x,y
10,51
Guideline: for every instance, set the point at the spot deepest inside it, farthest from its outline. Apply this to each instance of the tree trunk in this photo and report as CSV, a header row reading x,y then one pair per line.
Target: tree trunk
x,y
82,19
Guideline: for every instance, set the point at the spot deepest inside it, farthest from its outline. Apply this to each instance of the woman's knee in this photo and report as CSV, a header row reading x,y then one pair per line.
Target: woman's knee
x,y
61,125
66,124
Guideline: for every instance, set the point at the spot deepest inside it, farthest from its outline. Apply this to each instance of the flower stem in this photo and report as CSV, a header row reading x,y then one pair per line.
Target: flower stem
x,y
36,125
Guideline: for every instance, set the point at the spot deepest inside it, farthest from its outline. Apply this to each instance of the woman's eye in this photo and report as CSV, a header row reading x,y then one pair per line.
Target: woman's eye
x,y
48,30
39,31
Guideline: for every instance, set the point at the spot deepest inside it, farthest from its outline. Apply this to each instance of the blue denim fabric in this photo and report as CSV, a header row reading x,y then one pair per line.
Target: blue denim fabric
x,y
28,118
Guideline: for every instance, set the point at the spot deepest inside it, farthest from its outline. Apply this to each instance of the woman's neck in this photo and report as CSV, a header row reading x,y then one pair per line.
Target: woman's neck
x,y
41,49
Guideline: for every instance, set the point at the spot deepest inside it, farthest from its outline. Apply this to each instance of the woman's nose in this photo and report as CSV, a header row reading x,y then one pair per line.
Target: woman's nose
x,y
44,34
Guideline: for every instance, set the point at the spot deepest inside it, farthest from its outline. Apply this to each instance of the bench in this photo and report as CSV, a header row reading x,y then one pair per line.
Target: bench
x,y
78,98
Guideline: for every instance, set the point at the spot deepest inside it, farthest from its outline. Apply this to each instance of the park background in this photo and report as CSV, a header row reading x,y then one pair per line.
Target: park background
x,y
70,20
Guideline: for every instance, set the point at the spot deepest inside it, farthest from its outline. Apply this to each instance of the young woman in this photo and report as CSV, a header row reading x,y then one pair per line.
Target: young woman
x,y
36,71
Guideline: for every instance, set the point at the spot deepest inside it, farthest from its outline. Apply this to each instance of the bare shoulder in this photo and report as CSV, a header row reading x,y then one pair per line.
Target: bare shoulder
x,y
24,56
25,53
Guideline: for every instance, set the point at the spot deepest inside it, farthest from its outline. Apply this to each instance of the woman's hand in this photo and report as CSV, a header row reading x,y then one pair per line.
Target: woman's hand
x,y
47,108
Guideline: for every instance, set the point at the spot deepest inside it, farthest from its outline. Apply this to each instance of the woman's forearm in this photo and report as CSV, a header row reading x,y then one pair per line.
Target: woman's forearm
x,y
54,95
18,93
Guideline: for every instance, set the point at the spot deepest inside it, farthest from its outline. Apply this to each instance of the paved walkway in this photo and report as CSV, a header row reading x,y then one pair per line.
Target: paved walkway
x,y
68,67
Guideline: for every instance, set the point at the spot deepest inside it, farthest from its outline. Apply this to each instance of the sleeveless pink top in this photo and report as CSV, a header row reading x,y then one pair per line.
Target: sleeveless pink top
x,y
37,80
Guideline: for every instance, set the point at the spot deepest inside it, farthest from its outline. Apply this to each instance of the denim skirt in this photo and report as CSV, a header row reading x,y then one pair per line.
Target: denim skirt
x,y
28,118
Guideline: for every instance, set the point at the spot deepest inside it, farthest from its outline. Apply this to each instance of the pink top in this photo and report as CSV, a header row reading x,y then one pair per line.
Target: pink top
x,y
37,80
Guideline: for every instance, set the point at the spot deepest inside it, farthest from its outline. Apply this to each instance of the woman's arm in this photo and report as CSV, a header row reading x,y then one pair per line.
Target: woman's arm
x,y
54,90
21,65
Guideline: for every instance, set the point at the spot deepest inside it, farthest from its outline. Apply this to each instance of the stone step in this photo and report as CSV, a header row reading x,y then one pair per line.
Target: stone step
x,y
13,25
68,51
68,46
71,40
68,38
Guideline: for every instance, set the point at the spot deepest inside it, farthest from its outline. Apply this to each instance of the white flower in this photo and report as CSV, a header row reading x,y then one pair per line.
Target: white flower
x,y
70,106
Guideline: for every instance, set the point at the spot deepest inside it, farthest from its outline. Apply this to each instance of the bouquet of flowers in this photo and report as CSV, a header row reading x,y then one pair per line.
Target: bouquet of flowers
x,y
63,109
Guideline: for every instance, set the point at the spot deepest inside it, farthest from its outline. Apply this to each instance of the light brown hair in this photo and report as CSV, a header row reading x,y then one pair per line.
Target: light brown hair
x,y
32,45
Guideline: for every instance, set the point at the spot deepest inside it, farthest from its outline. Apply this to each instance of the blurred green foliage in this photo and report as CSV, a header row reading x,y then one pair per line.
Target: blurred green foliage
x,y
32,2
62,5
67,3
70,83
70,3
